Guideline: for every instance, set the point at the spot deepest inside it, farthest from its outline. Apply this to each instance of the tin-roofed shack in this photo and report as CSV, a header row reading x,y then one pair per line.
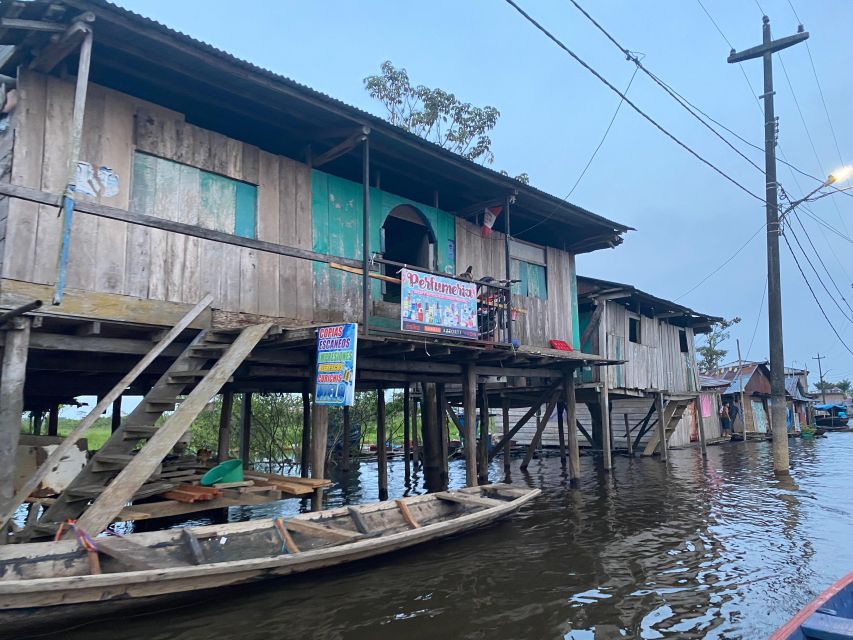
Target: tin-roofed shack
x,y
202,194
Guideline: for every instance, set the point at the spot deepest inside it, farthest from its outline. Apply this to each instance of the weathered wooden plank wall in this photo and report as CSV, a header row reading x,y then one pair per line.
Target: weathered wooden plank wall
x,y
115,257
545,319
657,362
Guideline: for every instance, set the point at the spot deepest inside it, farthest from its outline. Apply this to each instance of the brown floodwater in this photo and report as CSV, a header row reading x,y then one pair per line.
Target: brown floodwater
x,y
716,549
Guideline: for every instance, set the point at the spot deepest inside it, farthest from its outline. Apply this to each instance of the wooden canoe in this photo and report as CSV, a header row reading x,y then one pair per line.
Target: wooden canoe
x,y
829,616
41,579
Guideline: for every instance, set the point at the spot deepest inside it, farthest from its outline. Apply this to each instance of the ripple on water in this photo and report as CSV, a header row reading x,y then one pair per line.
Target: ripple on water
x,y
720,549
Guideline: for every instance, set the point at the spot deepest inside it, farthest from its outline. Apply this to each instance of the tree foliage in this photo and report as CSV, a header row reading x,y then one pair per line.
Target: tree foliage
x,y
435,114
711,354
826,385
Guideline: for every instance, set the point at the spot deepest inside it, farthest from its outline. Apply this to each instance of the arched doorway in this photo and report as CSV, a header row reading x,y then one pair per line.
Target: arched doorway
x,y
407,237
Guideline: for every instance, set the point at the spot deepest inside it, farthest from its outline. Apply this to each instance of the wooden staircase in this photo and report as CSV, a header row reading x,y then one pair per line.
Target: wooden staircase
x,y
126,467
672,413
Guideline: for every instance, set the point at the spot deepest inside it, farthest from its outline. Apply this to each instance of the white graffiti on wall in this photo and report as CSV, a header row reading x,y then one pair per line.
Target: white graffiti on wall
x,y
103,182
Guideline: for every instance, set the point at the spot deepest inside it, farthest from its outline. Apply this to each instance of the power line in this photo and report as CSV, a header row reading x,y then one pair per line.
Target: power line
x,y
820,259
663,85
601,78
729,259
757,320
591,158
817,275
819,89
817,301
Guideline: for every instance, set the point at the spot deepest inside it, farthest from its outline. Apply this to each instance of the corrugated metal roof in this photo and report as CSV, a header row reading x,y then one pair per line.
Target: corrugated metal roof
x,y
706,381
566,209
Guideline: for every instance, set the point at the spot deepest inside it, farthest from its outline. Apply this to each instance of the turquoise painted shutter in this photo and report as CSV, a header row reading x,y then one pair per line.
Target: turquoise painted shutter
x,y
246,210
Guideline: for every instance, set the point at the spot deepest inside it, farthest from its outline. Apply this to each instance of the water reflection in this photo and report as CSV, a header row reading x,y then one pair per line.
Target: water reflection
x,y
708,549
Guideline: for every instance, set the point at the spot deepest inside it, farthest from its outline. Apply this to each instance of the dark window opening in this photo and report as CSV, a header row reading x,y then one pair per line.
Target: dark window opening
x,y
406,240
634,330
682,339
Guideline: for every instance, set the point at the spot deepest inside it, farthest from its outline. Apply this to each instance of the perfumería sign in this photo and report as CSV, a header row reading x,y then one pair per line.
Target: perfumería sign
x,y
335,379
437,305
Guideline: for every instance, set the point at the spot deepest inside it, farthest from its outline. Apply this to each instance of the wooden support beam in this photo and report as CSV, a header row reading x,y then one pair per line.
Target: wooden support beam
x,y
319,439
333,534
407,463
246,429
570,401
431,438
628,441
483,457
594,321
469,400
561,428
537,437
53,420
544,397
443,432
339,149
700,421
305,454
13,371
224,442
416,454
32,25
57,51
505,437
346,444
659,406
381,451
606,428
115,417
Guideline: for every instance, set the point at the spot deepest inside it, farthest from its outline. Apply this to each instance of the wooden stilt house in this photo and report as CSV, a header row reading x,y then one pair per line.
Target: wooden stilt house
x,y
652,340
189,220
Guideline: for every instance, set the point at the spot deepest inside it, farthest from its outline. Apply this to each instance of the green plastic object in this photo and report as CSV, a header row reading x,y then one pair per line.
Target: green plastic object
x,y
228,471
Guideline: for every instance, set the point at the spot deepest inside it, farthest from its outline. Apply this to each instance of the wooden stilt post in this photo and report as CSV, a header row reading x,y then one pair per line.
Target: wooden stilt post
x,y
604,401
12,374
53,421
700,421
381,451
443,431
561,427
507,442
37,419
628,441
222,449
485,437
537,437
115,418
246,429
346,444
469,399
407,464
319,437
416,454
659,406
431,437
571,422
305,454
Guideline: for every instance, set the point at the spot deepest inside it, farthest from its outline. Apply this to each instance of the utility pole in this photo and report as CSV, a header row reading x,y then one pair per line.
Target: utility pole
x,y
778,408
820,372
740,384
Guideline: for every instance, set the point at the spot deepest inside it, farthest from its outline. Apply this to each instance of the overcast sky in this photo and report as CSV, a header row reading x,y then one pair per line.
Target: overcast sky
x,y
688,218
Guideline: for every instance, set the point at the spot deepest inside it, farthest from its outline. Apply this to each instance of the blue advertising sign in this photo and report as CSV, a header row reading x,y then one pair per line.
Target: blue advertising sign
x,y
438,305
335,381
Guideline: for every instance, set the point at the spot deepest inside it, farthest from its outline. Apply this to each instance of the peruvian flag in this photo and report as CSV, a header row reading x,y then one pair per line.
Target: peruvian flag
x,y
489,216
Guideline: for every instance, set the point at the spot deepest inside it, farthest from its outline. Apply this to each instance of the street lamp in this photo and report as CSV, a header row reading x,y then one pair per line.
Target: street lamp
x,y
839,175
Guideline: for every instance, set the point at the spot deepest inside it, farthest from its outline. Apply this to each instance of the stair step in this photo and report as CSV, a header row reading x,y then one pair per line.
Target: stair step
x,y
113,458
218,347
159,406
135,432
194,373
84,492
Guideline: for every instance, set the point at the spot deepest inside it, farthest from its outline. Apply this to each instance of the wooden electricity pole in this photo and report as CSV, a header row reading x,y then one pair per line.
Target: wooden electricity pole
x,y
778,408
820,372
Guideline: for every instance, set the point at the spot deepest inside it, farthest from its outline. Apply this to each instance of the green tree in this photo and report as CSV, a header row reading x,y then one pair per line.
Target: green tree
x,y
711,353
436,115
844,385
